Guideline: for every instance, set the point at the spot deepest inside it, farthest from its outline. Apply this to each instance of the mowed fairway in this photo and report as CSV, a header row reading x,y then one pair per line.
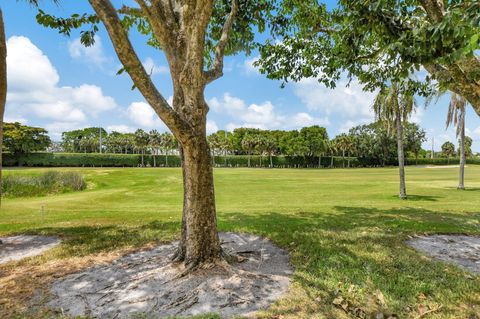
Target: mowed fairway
x,y
345,230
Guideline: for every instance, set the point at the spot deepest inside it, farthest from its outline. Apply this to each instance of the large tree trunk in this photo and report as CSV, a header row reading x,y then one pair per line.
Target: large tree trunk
x,y
401,158
181,32
461,173
3,90
200,242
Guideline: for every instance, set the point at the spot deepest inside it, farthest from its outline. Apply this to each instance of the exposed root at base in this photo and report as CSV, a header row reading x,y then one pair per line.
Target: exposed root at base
x,y
250,273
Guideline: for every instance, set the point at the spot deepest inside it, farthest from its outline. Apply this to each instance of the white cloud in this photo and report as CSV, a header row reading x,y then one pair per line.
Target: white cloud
x,y
152,68
348,124
143,115
248,66
349,102
9,119
93,54
33,90
120,128
211,127
304,119
477,131
416,116
263,116
28,69
55,129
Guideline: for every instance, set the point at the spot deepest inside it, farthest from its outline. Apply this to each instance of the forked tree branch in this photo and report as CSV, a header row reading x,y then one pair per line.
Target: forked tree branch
x,y
216,71
127,55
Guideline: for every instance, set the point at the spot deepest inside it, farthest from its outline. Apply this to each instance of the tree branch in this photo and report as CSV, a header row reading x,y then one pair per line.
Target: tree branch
x,y
434,9
216,71
127,55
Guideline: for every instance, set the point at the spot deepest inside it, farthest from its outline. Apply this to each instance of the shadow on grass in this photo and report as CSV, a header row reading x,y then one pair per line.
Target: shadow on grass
x,y
422,198
352,251
357,250
85,240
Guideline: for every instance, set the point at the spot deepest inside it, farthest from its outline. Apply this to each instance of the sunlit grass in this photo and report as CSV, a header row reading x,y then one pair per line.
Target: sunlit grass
x,y
345,230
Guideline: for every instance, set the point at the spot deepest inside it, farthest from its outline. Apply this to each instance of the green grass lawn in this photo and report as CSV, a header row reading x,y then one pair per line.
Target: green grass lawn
x,y
345,230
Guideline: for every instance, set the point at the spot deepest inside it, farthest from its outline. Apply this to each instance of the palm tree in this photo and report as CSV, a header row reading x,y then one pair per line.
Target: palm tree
x,y
448,150
456,116
141,142
332,148
270,147
248,144
393,108
154,140
168,143
344,143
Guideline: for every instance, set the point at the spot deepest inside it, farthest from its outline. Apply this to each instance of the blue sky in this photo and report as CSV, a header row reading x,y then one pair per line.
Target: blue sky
x,y
56,83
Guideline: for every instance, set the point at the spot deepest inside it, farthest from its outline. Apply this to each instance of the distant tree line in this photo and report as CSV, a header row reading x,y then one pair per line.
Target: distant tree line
x,y
370,142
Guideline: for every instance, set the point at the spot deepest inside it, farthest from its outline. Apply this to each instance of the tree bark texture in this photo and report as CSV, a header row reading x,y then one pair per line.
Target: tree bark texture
x,y
461,172
3,89
180,28
400,151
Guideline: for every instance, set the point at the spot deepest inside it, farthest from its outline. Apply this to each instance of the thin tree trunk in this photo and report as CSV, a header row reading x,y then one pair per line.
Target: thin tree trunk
x,y
154,159
319,161
461,173
348,160
3,90
249,155
166,158
331,161
343,158
401,159
271,161
200,242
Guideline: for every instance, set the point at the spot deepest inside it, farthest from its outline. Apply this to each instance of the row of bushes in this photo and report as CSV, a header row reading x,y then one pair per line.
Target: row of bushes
x,y
134,160
51,182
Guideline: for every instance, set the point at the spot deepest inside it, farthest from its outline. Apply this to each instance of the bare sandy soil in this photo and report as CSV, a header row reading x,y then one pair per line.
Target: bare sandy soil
x,y
148,283
440,166
464,251
22,246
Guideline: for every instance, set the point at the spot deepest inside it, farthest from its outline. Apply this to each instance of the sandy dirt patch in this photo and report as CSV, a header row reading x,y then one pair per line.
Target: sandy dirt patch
x,y
464,251
22,246
147,283
440,166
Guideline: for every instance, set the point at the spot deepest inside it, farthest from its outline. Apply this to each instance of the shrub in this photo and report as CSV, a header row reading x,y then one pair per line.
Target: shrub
x,y
134,160
50,182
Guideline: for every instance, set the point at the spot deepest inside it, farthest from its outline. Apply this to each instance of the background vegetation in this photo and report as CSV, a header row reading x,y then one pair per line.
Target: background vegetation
x,y
48,182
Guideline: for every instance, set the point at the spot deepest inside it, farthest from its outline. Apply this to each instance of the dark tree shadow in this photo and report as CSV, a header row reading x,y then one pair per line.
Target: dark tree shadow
x,y
422,198
365,247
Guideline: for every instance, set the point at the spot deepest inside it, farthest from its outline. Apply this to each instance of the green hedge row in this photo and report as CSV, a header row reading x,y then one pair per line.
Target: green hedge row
x,y
134,160
87,160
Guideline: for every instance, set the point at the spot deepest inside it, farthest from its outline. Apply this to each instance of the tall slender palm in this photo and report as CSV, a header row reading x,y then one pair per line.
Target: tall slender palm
x,y
344,142
393,108
155,141
332,148
141,142
168,143
456,116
